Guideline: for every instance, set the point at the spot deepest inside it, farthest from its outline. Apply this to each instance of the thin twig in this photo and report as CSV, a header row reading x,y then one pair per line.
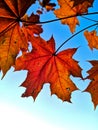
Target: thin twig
x,y
89,19
75,35
57,19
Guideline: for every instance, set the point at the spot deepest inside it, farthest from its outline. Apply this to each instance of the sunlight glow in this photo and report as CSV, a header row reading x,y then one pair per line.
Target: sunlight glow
x,y
13,118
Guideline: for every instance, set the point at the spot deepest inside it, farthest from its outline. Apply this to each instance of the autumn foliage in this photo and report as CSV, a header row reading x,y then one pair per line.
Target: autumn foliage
x,y
44,63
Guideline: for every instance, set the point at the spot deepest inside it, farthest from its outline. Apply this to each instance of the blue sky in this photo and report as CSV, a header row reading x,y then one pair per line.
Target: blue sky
x,y
49,112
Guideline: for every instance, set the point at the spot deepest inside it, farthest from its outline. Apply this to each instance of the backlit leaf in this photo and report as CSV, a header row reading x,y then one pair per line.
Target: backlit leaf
x,y
12,35
93,86
44,66
92,39
77,2
66,10
47,4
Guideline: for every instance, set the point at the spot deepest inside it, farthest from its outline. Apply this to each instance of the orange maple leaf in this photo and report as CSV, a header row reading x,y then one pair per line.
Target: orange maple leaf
x,y
67,9
93,86
12,35
77,2
44,66
92,39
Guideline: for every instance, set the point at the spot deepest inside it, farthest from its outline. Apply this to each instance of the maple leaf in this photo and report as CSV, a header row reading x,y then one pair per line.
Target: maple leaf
x,y
77,2
12,36
92,39
28,28
93,86
44,66
66,10
47,4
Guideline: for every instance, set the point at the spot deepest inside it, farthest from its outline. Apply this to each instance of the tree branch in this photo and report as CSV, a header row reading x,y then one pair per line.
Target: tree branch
x,y
75,35
54,20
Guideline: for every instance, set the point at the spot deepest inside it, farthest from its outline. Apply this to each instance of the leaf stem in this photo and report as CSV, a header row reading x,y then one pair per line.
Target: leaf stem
x,y
75,35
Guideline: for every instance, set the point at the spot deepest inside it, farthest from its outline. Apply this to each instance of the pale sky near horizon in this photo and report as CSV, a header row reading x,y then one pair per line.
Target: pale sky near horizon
x,y
49,112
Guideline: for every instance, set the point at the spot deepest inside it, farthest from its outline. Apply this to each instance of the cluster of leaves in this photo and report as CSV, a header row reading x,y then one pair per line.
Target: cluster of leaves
x,y
43,62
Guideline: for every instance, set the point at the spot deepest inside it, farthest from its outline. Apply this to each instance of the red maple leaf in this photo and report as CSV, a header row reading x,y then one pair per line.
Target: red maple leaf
x,y
44,66
93,86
